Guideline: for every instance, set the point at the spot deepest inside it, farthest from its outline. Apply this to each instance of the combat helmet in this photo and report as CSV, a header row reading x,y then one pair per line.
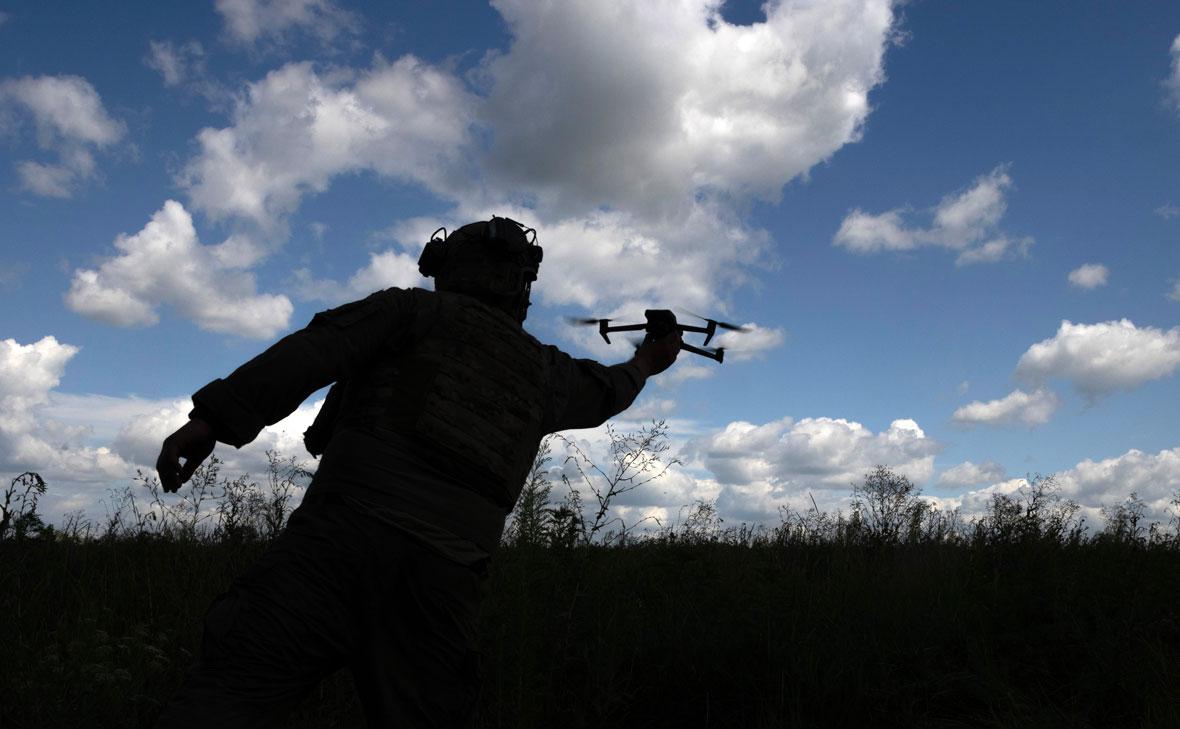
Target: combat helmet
x,y
495,261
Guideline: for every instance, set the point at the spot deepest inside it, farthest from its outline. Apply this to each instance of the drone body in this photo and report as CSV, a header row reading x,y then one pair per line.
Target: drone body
x,y
660,323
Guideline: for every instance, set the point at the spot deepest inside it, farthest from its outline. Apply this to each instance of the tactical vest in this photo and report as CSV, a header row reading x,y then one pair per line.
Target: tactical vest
x,y
470,391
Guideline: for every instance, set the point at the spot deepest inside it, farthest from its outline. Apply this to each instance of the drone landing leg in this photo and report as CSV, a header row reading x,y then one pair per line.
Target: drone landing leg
x,y
718,355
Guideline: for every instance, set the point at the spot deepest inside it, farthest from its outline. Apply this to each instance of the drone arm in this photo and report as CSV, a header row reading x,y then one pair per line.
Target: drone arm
x,y
709,332
718,354
603,328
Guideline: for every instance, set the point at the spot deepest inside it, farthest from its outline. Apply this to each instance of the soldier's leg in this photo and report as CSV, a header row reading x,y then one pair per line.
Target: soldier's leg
x,y
282,627
418,665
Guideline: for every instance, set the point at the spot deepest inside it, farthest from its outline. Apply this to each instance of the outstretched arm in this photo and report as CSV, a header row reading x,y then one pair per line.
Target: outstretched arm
x,y
589,393
269,387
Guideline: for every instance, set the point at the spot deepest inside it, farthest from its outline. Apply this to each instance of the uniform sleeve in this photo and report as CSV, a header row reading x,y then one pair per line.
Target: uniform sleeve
x,y
588,393
335,345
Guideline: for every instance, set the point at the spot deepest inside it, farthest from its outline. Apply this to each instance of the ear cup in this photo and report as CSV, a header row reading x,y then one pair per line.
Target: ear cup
x,y
434,255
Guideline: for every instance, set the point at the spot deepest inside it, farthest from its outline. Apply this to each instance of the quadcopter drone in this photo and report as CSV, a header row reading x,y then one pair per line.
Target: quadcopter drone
x,y
661,322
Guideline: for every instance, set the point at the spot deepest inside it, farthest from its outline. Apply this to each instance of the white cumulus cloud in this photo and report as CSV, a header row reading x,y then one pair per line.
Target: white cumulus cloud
x,y
640,200
971,474
64,108
639,105
295,130
165,263
967,222
1089,276
614,264
249,21
1098,359
1018,407
31,442
30,372
745,345
69,121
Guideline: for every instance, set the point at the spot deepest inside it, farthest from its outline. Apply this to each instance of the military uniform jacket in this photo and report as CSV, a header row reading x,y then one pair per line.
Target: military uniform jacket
x,y
444,404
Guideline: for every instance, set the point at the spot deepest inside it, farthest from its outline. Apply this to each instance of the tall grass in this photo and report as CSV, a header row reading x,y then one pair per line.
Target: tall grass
x,y
892,615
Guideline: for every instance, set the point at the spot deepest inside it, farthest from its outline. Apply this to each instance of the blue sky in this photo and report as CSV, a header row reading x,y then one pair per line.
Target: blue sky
x,y
954,227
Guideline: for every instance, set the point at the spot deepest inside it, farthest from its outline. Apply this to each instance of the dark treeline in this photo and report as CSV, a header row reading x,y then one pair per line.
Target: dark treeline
x,y
895,614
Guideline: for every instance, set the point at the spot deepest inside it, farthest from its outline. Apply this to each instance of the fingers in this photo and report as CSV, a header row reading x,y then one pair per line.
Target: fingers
x,y
671,345
193,442
186,471
168,466
657,355
194,460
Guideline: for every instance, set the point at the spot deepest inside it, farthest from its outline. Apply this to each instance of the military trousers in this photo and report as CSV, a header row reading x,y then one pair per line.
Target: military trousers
x,y
338,588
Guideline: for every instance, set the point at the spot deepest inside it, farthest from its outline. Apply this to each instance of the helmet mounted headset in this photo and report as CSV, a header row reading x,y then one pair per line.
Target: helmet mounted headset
x,y
495,261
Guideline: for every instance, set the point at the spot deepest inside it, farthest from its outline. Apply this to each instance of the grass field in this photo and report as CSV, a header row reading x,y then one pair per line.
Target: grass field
x,y
1019,619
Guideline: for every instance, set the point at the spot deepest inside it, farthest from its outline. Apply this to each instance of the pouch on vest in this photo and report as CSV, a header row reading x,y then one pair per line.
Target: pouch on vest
x,y
316,438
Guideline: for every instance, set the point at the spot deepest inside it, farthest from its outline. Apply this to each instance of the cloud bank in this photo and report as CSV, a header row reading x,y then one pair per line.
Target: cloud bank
x,y
758,468
1095,485
639,202
83,445
28,441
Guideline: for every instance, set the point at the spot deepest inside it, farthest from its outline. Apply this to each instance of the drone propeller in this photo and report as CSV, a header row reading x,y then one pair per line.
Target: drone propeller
x,y
733,327
721,324
604,327
583,321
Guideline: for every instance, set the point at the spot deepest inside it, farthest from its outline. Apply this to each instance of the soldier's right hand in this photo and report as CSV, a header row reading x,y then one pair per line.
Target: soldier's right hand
x,y
656,355
194,442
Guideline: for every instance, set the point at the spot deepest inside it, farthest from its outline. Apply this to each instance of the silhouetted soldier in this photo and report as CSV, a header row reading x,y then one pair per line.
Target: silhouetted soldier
x,y
440,403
